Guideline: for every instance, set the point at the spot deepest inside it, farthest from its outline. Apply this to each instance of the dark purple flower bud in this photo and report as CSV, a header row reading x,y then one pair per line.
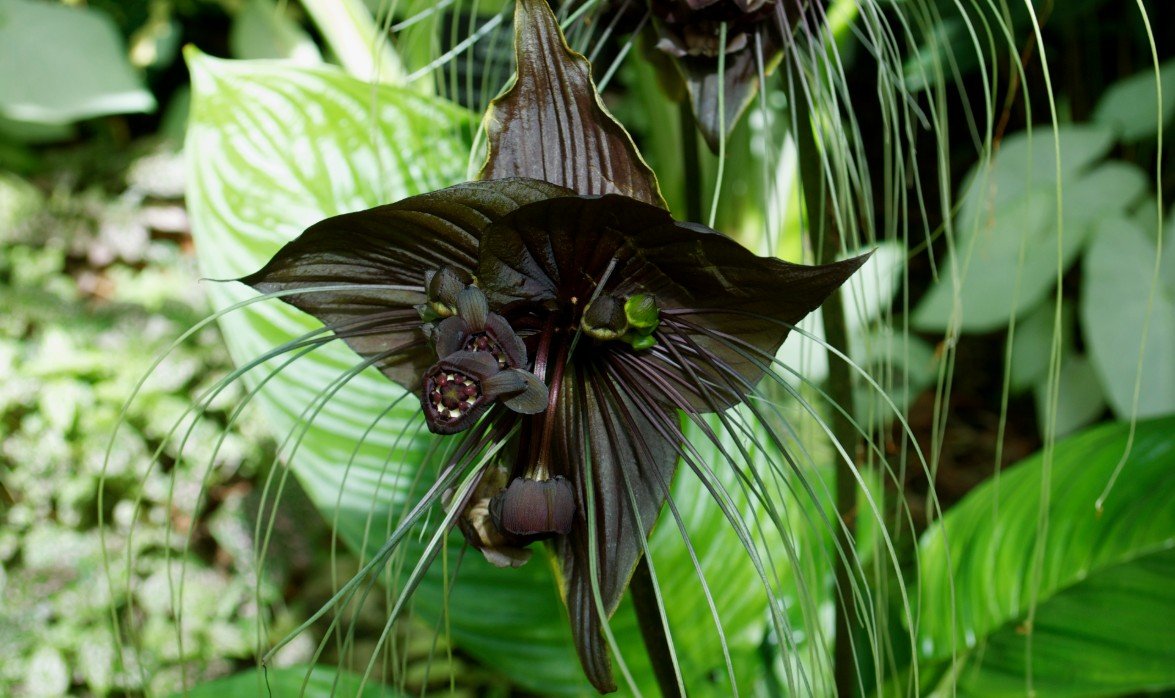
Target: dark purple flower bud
x,y
535,509
744,36
479,528
519,390
442,288
473,308
605,319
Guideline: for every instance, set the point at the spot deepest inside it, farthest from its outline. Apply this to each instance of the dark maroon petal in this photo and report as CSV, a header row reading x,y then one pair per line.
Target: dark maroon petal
x,y
472,307
739,81
559,249
519,390
476,364
391,246
605,438
513,349
551,124
450,336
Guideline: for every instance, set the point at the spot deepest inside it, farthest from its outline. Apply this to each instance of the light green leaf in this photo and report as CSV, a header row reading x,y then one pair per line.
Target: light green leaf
x,y
46,674
273,148
902,365
320,682
1100,580
62,64
33,132
1079,399
1032,344
1130,107
19,200
1008,234
262,30
1115,309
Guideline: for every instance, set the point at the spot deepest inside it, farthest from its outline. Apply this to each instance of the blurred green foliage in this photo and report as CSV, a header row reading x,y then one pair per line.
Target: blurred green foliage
x,y
95,283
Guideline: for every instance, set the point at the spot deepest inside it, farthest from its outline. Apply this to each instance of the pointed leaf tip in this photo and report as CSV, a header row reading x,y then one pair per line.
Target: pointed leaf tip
x,y
551,124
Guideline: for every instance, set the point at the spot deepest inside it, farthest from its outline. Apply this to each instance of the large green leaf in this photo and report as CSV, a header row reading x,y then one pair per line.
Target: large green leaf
x,y
1100,579
274,148
1009,233
62,64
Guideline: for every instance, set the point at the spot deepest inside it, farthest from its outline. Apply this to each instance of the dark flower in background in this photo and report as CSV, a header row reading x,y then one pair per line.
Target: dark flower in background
x,y
556,309
756,33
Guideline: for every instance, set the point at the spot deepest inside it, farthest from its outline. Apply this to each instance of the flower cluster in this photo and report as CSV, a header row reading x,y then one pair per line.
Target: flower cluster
x,y
556,309
481,358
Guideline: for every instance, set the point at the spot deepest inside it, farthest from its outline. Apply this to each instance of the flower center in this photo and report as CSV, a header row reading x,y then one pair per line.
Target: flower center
x,y
481,341
452,394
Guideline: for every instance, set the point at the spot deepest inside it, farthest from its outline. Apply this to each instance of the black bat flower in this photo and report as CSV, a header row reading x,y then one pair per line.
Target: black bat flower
x,y
742,37
554,308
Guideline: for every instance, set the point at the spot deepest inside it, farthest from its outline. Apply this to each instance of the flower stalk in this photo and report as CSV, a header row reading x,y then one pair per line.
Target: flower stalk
x,y
653,630
826,239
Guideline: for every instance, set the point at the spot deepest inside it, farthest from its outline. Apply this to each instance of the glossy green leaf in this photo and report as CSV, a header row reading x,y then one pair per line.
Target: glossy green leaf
x,y
273,149
1116,308
63,63
1008,233
311,682
1130,107
551,124
1100,579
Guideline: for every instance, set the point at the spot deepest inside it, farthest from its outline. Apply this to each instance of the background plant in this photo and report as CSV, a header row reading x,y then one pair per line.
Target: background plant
x,y
988,615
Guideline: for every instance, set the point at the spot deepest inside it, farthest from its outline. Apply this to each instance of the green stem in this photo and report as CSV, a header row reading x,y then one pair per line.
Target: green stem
x,y
690,162
652,625
826,239
356,40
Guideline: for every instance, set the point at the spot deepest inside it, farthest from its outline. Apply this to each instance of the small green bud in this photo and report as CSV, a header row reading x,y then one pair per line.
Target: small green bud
x,y
644,341
642,313
643,318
